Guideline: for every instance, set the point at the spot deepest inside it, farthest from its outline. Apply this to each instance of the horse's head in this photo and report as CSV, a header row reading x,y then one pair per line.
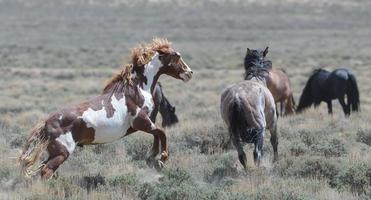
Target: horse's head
x,y
173,65
255,57
168,114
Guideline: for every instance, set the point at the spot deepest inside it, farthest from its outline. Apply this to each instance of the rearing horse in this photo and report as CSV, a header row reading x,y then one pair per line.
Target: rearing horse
x,y
123,108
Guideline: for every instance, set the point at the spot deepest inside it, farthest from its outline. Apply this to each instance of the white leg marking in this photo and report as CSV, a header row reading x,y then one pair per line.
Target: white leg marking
x,y
67,141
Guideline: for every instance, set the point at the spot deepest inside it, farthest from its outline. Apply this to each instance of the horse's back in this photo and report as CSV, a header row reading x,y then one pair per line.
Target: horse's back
x,y
278,84
254,97
341,73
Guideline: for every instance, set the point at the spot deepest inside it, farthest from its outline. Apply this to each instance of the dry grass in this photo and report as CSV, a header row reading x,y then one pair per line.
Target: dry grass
x,y
52,55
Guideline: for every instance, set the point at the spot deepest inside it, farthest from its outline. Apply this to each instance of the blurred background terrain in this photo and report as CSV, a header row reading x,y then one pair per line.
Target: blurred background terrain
x,y
54,53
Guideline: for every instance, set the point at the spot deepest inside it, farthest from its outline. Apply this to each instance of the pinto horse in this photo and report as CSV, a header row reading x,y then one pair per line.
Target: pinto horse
x,y
326,86
124,107
277,80
248,109
163,105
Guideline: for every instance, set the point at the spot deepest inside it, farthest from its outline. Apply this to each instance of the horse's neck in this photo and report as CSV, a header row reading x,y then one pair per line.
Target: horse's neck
x,y
151,74
261,81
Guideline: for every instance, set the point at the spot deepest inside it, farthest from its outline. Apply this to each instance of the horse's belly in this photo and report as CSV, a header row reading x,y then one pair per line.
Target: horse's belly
x,y
108,128
111,131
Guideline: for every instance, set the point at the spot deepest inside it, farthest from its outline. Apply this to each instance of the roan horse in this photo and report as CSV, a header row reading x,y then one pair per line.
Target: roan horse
x,y
163,105
277,80
248,109
123,108
326,86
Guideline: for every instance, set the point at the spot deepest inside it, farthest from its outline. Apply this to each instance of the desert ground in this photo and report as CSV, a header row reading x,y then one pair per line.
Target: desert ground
x,y
55,53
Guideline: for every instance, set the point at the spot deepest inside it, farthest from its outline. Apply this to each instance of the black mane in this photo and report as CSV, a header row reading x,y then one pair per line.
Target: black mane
x,y
255,65
256,71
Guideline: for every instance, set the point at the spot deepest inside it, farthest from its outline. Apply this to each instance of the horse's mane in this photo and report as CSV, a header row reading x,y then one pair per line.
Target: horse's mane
x,y
267,64
306,98
140,56
256,71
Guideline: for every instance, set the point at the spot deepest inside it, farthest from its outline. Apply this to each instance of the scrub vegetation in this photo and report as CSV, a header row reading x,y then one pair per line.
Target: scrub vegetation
x,y
55,53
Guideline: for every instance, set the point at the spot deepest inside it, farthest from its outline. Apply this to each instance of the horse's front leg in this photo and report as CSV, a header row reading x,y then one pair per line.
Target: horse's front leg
x,y
143,122
329,107
346,108
156,141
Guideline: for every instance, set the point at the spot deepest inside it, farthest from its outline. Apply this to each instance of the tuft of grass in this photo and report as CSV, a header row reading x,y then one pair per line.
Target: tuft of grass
x,y
364,136
356,177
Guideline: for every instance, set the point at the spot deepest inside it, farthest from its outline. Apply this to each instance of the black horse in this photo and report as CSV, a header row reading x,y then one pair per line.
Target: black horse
x,y
163,105
326,86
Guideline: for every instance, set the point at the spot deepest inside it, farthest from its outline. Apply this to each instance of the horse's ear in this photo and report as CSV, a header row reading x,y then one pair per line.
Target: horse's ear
x,y
247,50
265,51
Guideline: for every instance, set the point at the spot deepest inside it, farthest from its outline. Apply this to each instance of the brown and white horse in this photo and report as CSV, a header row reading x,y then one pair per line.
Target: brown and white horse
x,y
277,80
123,108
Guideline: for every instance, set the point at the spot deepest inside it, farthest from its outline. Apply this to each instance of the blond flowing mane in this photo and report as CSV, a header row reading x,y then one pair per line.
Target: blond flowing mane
x,y
140,56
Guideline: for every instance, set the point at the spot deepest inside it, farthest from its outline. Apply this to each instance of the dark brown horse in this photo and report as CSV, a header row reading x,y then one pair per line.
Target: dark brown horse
x,y
277,80
123,108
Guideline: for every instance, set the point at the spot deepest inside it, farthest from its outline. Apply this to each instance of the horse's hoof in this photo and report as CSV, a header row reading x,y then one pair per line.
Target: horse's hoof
x,y
159,165
164,156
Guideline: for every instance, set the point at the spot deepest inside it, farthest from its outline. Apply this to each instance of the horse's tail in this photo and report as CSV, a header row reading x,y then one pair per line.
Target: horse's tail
x,y
237,117
306,98
35,145
353,93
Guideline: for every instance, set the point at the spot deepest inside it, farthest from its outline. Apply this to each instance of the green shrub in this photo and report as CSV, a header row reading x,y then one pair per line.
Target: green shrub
x,y
63,187
214,139
123,180
298,149
221,168
310,137
177,184
312,167
356,177
333,148
364,136
92,182
138,147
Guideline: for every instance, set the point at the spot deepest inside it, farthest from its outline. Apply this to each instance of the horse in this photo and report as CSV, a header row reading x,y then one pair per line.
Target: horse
x,y
277,80
123,108
248,109
163,105
325,86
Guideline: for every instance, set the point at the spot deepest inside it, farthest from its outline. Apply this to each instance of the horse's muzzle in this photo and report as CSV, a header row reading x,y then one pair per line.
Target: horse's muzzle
x,y
186,76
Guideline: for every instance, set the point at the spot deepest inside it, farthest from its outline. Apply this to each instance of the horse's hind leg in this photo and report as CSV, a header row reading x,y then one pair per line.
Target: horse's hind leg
x,y
241,154
282,108
258,146
274,142
58,153
346,108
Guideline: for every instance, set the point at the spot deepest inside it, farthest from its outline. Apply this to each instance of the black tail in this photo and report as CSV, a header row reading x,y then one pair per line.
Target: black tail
x,y
238,122
306,98
237,118
352,93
